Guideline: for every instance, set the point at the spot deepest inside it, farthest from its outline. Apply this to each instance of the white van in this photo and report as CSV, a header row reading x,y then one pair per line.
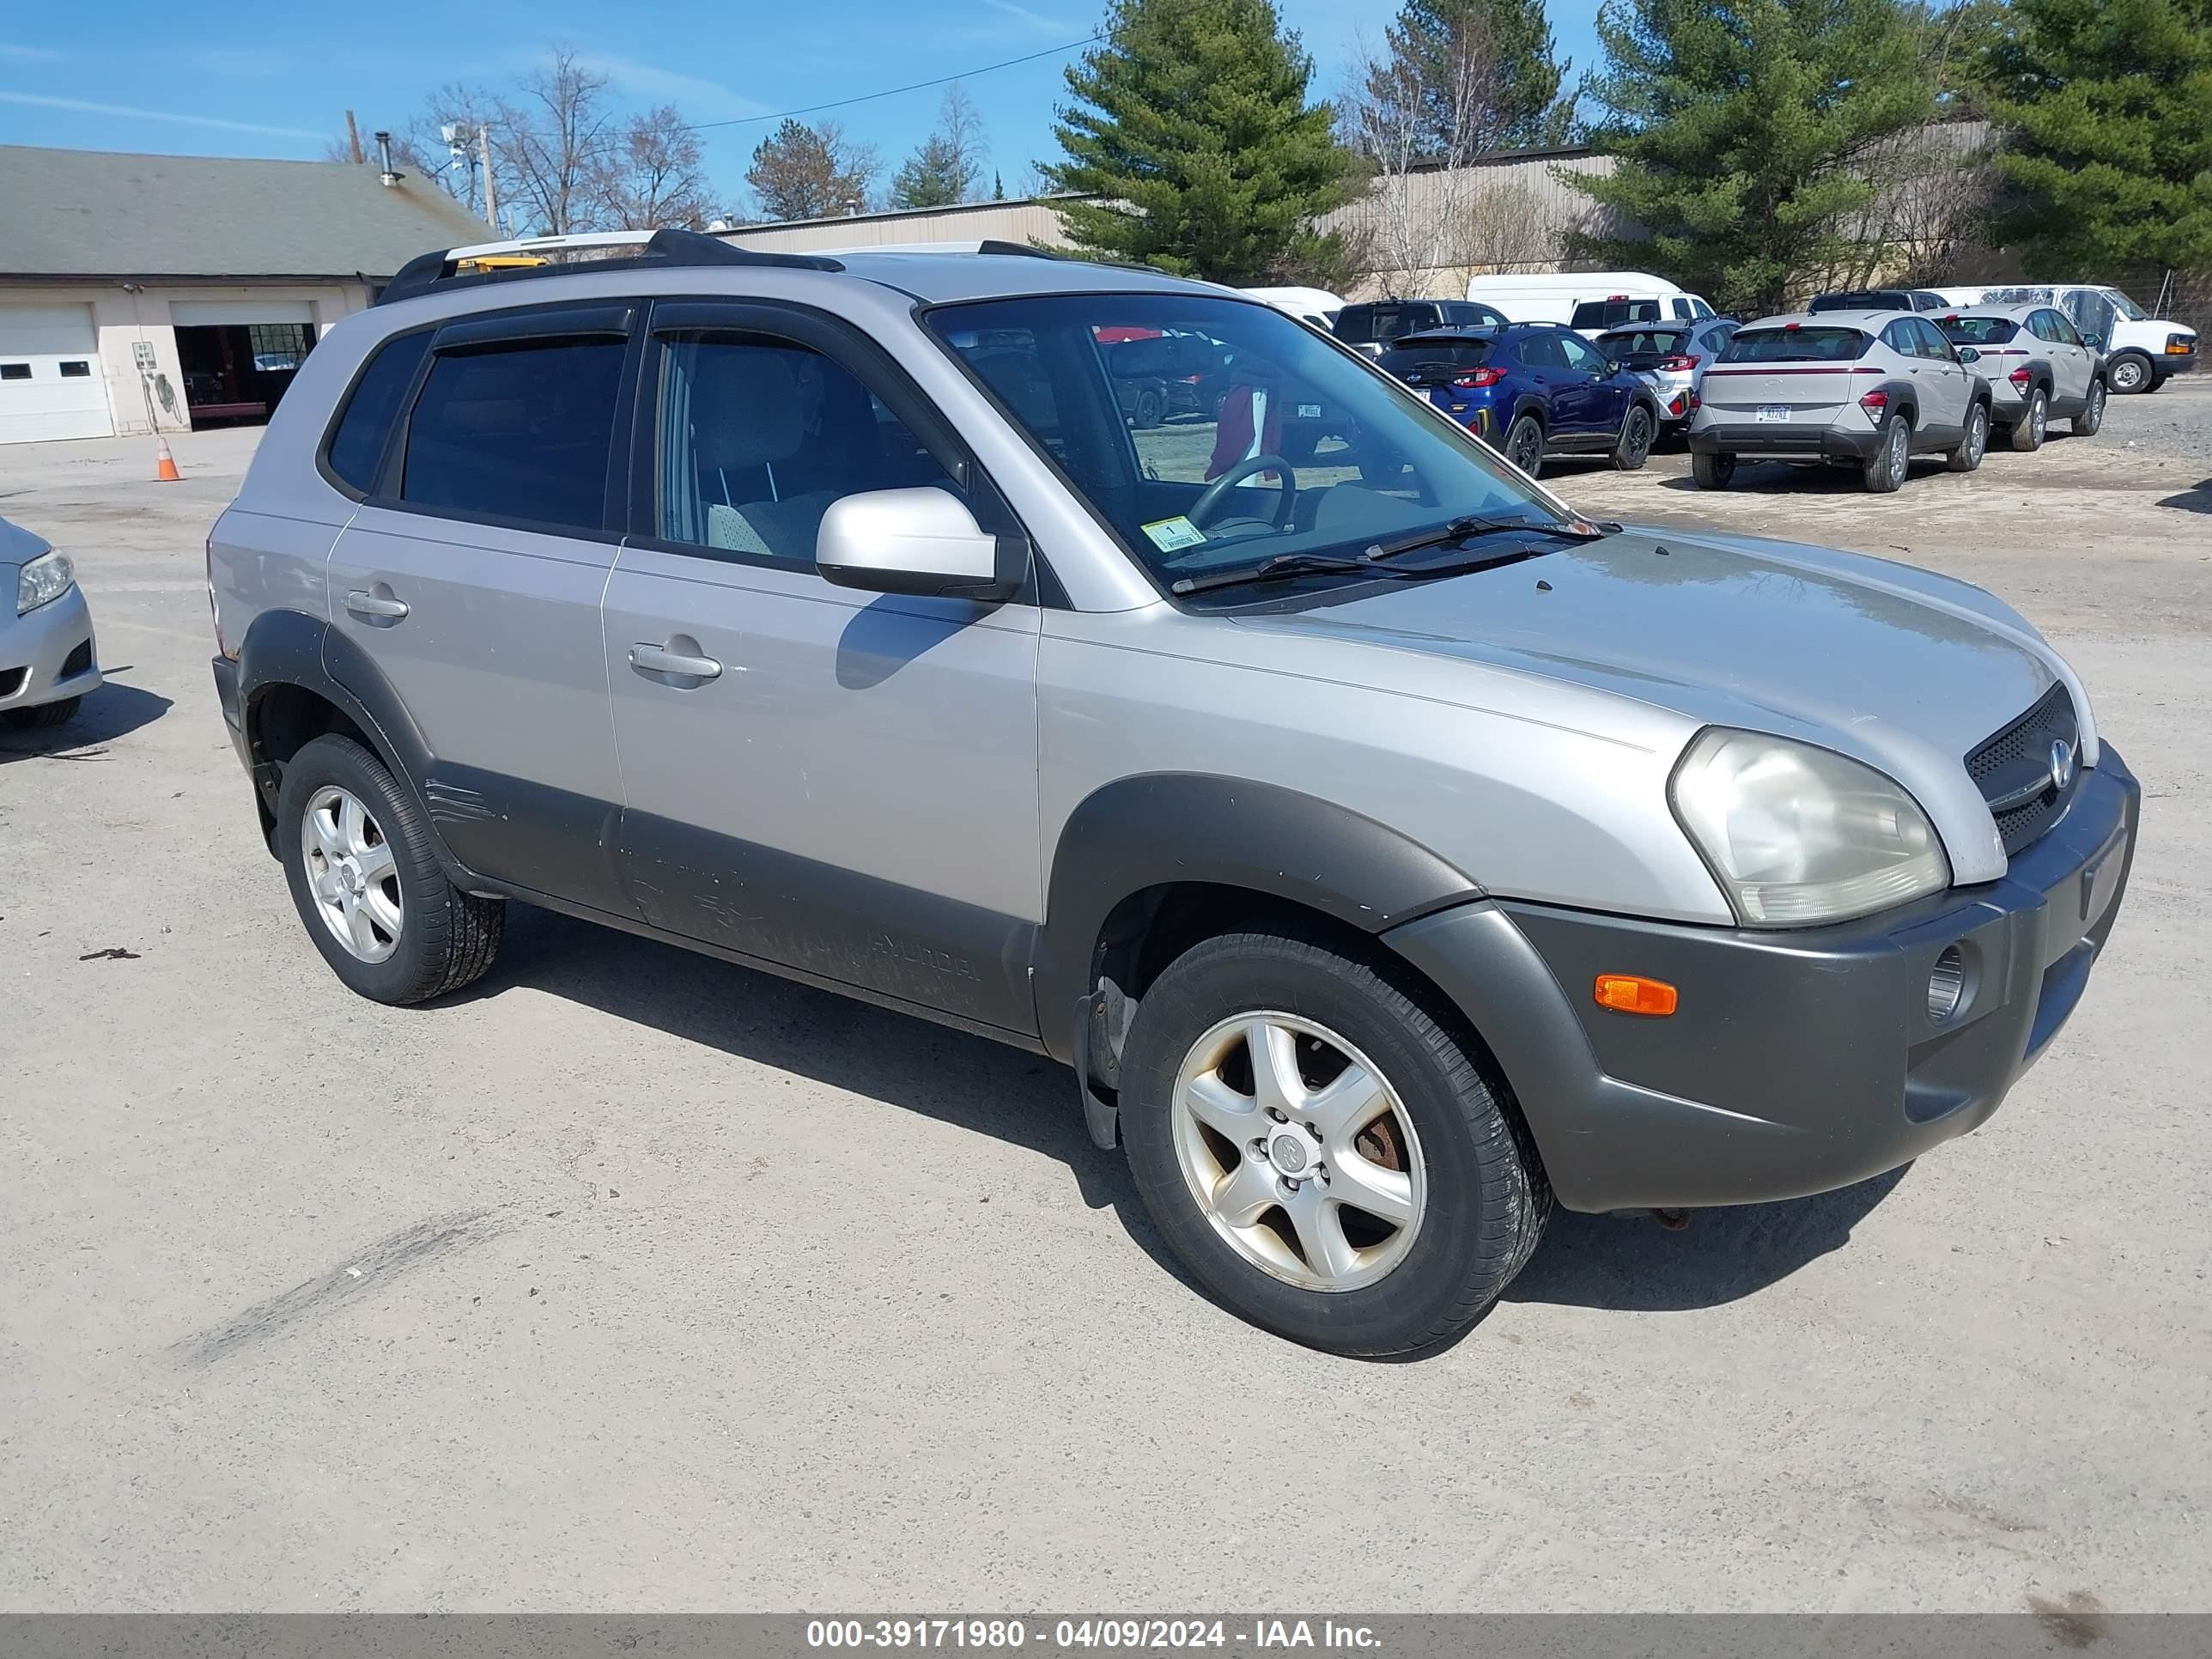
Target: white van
x,y
1588,301
2142,352
1314,305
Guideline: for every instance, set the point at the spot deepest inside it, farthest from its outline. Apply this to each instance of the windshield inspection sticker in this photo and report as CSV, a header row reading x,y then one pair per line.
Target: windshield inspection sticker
x,y
1170,534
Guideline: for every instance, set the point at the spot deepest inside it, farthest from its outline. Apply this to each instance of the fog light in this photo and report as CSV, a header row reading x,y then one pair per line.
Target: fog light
x,y
1947,984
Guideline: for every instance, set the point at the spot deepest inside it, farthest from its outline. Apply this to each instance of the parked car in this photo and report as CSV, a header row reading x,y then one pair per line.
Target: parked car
x,y
1879,299
1389,863
1865,388
1531,390
1164,375
1315,307
48,656
1593,302
2142,352
1372,325
2036,366
1671,359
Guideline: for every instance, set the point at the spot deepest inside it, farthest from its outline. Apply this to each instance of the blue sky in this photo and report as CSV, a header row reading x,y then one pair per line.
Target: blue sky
x,y
262,77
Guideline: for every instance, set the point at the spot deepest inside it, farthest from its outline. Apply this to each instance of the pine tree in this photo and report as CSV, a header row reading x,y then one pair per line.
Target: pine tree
x,y
810,173
1739,130
1521,76
1193,136
2108,108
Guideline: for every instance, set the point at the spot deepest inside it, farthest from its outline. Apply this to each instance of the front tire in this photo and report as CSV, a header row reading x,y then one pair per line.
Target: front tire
x,y
357,857
1972,447
1148,412
1637,429
45,715
2034,421
1323,1151
1885,470
1712,471
2129,374
2092,418
1524,445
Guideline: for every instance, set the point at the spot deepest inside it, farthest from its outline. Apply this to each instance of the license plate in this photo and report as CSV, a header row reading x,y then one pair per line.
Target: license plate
x,y
1774,411
1310,411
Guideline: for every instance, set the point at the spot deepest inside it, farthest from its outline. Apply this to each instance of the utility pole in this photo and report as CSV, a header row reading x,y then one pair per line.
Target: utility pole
x,y
491,190
352,140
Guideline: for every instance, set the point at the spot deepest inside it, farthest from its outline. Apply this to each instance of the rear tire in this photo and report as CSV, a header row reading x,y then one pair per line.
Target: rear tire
x,y
1524,445
1712,471
1637,430
1884,470
1147,414
2027,431
1968,455
2092,418
443,939
45,715
1439,1139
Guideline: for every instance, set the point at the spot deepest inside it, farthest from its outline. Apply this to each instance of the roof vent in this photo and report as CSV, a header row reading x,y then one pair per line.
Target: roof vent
x,y
384,161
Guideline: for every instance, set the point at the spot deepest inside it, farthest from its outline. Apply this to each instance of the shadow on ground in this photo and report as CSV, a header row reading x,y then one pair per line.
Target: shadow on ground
x,y
1630,1263
1595,1261
113,711
2196,498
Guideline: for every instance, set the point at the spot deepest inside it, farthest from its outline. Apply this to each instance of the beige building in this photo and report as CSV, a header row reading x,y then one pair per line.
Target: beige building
x,y
157,293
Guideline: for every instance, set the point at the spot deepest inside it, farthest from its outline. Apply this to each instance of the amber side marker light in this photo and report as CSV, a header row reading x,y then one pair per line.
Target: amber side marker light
x,y
1632,993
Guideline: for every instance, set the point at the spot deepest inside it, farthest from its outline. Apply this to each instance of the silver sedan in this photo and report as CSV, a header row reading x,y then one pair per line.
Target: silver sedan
x,y
48,656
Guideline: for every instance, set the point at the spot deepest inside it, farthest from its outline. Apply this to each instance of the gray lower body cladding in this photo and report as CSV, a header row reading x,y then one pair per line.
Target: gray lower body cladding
x,y
1797,1062
1827,442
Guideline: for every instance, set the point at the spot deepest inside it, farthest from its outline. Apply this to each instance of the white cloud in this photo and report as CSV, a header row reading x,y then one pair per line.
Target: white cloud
x,y
15,54
124,112
698,98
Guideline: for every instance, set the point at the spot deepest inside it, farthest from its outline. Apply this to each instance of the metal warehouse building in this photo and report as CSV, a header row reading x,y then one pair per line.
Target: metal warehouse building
x,y
157,293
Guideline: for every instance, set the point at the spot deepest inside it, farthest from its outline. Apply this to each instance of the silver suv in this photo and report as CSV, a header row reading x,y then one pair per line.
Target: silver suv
x,y
1869,389
2036,366
1391,851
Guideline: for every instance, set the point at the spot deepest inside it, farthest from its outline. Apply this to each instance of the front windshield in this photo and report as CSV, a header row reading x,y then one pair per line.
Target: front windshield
x,y
2123,305
1251,437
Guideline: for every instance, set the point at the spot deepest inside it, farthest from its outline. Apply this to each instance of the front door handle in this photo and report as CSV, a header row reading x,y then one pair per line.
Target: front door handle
x,y
659,659
375,607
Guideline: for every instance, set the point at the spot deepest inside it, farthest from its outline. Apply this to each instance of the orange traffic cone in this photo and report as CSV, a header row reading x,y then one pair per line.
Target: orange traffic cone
x,y
165,464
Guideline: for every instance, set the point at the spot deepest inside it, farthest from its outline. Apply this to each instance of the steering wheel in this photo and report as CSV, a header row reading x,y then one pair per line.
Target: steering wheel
x,y
1285,497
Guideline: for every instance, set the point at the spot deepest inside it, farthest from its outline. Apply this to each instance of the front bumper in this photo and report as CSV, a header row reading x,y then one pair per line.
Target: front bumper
x,y
1827,442
1797,1061
2173,362
50,654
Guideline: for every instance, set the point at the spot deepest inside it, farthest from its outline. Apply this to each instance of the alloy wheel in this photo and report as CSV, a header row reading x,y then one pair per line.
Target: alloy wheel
x,y
1896,452
1528,448
1977,434
2038,417
352,874
2128,375
1298,1150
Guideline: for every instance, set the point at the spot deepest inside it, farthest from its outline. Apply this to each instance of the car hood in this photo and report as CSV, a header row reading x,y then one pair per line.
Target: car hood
x,y
18,545
1899,667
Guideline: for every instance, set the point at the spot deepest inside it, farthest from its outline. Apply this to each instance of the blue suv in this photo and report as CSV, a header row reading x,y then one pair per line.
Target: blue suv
x,y
1531,390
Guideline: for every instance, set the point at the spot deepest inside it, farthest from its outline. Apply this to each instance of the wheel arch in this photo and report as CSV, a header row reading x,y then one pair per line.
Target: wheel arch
x,y
1147,866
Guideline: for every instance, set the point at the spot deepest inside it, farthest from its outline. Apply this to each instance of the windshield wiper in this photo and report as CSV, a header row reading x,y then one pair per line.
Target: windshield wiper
x,y
1460,530
1284,566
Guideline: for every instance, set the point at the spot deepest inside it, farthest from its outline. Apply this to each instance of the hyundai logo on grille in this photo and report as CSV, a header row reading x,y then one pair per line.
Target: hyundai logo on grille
x,y
2062,765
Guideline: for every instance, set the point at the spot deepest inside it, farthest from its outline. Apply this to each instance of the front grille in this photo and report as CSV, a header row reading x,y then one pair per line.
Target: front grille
x,y
2013,769
77,662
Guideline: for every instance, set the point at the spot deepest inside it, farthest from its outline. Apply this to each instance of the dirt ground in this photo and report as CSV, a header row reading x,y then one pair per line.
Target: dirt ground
x,y
632,1280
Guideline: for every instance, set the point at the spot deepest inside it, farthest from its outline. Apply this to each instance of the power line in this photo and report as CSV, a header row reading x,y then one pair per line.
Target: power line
x,y
918,86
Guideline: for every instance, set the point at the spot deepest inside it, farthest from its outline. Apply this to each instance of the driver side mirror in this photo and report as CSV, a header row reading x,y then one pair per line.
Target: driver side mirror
x,y
917,541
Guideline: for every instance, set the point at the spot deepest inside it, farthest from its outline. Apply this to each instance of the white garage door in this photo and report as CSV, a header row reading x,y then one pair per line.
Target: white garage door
x,y
51,385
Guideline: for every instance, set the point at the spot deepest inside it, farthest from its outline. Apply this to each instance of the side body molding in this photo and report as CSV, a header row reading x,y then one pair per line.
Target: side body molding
x,y
1158,829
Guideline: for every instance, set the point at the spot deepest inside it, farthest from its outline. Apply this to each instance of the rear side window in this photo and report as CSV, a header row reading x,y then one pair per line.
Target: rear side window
x,y
1613,314
524,431
357,442
1368,325
1794,345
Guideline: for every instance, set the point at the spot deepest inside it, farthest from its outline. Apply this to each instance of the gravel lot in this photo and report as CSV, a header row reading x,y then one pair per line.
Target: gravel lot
x,y
631,1281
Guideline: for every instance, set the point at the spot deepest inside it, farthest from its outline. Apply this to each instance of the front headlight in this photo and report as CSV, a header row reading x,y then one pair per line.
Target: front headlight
x,y
47,577
1797,834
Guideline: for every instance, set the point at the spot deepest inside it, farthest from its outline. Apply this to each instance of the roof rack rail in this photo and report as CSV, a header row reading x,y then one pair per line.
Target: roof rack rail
x,y
662,248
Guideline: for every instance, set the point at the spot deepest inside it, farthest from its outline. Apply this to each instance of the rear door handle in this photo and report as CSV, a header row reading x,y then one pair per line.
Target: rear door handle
x,y
659,659
371,606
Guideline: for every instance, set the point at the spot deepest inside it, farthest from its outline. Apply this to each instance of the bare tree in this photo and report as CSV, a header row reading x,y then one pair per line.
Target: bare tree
x,y
652,176
419,146
1420,145
556,138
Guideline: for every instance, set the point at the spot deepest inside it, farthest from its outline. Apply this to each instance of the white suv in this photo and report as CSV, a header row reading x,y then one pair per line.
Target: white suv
x,y
1869,388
